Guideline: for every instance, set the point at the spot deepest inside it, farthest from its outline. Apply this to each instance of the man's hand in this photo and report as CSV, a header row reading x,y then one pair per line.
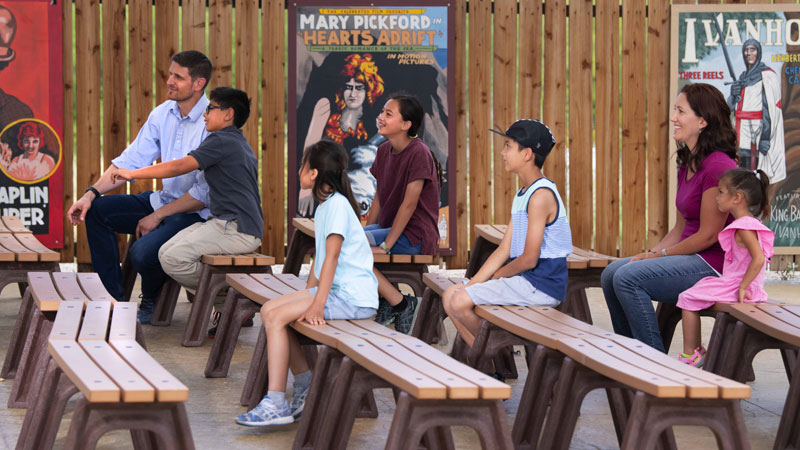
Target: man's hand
x,y
314,314
148,224
77,212
122,174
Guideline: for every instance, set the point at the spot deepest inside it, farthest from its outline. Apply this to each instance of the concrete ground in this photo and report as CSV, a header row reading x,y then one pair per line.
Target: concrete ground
x,y
214,403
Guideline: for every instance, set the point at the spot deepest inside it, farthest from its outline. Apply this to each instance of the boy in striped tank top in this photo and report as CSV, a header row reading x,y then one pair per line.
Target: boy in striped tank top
x,y
529,268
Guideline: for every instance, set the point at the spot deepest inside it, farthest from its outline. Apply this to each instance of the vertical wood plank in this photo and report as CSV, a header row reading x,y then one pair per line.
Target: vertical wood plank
x,y
658,102
247,15
607,126
220,24
633,133
504,101
68,250
87,89
140,30
167,44
555,89
480,60
114,105
530,60
581,209
273,143
193,25
460,178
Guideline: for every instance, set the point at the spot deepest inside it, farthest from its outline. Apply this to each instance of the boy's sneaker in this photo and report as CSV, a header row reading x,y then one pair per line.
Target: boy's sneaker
x,y
266,413
247,322
405,318
385,314
696,359
146,308
298,401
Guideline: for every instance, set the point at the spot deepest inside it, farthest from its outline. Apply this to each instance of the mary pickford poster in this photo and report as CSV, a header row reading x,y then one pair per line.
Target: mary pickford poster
x,y
751,53
345,60
31,116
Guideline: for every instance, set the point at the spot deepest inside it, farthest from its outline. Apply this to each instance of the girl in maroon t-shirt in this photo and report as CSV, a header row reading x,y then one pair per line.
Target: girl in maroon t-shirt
x,y
402,217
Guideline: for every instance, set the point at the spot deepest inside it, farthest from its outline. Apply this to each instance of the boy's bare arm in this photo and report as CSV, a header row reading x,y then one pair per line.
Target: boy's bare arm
x,y
496,260
542,209
167,169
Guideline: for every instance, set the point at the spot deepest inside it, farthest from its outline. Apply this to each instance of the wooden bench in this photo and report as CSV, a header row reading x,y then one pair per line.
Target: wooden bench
x,y
21,252
648,391
433,391
28,343
406,269
122,386
584,268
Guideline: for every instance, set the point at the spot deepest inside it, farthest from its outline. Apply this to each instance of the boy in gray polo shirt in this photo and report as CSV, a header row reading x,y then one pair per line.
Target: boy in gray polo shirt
x,y
231,171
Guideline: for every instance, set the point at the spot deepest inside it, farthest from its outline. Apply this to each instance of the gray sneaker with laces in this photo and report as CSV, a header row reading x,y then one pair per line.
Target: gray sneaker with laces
x,y
298,401
265,414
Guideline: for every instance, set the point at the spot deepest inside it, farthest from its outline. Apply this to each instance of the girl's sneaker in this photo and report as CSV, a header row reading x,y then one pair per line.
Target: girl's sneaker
x,y
266,413
298,401
696,359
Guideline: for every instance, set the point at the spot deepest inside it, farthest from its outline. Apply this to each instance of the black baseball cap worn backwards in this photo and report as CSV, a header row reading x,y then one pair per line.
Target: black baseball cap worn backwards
x,y
530,133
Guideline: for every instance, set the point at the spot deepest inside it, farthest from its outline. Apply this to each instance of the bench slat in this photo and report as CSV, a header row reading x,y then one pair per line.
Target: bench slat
x,y
134,388
84,373
490,388
43,291
6,255
168,388
374,327
243,260
306,226
273,283
262,260
457,387
538,320
694,388
437,282
566,319
324,334
68,321
123,322
23,254
217,260
67,285
401,259
93,287
378,257
780,313
753,316
489,233
603,363
95,321
291,280
520,326
14,224
727,388
33,244
424,259
251,288
577,262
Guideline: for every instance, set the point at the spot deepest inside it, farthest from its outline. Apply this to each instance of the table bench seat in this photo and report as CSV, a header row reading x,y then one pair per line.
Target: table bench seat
x,y
21,252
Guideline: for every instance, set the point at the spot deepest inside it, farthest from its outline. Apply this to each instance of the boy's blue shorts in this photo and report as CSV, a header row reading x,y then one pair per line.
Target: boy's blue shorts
x,y
376,235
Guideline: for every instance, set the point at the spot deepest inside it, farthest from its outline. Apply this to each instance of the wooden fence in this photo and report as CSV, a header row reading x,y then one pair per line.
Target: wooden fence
x,y
517,68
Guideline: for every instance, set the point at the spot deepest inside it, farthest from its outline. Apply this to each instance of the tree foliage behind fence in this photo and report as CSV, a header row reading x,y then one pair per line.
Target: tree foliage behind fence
x,y
595,71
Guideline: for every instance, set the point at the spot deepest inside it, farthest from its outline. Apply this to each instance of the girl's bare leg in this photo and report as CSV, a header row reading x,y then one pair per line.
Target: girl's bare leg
x,y
691,331
276,318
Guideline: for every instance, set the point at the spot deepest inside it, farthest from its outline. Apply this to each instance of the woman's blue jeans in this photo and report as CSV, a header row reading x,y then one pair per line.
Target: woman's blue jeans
x,y
629,288
376,235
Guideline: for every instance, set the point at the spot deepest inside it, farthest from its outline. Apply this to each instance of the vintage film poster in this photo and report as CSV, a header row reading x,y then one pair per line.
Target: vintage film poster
x,y
345,60
31,116
751,53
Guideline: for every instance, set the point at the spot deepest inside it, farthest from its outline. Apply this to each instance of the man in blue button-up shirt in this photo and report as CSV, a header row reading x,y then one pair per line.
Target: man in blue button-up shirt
x,y
172,130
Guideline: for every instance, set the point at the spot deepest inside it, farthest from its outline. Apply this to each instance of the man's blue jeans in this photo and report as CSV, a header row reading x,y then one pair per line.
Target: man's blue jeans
x,y
121,214
630,286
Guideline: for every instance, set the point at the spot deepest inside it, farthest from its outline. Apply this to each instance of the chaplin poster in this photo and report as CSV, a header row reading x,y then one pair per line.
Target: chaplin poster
x,y
345,61
751,53
31,116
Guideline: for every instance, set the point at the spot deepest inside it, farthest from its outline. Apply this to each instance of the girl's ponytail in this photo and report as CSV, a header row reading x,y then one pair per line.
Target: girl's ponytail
x,y
763,180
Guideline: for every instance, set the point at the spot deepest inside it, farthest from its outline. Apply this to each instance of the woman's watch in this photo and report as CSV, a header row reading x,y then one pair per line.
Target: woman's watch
x,y
383,246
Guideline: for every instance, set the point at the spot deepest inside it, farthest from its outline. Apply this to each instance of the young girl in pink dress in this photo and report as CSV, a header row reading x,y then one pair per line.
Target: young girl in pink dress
x,y
747,244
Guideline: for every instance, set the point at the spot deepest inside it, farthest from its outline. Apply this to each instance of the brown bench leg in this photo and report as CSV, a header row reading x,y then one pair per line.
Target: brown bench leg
x,y
237,307
788,436
30,372
17,272
429,325
317,402
42,419
745,343
168,421
651,416
299,247
165,303
414,418
493,344
543,372
481,249
18,337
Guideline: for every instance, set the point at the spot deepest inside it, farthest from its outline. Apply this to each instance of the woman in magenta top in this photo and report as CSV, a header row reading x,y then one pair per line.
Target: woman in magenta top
x,y
690,251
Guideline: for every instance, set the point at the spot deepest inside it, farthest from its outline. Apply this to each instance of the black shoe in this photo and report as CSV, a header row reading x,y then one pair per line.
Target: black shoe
x,y
385,314
405,318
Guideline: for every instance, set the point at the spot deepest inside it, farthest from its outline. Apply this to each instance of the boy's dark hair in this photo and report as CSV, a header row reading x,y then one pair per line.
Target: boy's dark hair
x,y
753,187
533,134
228,97
198,64
412,111
330,161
